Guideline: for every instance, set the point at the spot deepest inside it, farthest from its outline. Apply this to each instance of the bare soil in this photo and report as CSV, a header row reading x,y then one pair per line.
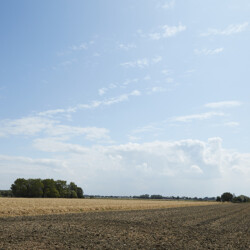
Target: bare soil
x,y
203,227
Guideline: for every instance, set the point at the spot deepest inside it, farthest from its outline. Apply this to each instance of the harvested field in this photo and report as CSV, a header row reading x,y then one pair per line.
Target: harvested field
x,y
36,206
224,226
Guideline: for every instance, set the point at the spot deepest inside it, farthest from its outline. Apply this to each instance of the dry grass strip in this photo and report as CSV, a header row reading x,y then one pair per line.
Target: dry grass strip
x,y
40,206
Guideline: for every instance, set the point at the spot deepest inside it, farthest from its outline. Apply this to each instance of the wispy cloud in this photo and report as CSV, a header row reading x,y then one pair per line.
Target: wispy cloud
x,y
208,52
230,30
64,64
76,47
109,101
167,72
167,31
168,5
224,104
127,46
30,125
57,145
201,116
27,160
35,125
102,91
156,89
142,63
121,85
92,105
150,128
156,59
53,112
231,124
82,46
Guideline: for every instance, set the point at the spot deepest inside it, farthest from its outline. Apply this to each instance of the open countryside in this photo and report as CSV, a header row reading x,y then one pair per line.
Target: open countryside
x,y
224,226
124,124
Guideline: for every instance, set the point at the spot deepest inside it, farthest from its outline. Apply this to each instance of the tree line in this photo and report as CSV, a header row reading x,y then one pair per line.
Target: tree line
x,y
231,197
47,188
6,193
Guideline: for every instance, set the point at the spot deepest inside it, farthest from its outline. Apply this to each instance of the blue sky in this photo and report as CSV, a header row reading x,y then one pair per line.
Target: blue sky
x,y
126,97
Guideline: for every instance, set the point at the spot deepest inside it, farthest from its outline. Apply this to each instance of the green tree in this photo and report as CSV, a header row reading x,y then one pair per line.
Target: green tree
x,y
62,187
156,196
50,189
35,188
79,192
218,198
144,196
44,188
73,194
73,186
20,188
226,197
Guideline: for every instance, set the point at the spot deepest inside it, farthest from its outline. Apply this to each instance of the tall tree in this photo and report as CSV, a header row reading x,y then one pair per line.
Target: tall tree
x,y
20,188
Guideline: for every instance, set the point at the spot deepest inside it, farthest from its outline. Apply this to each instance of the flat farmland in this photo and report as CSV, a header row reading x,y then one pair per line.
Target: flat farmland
x,y
224,226
36,206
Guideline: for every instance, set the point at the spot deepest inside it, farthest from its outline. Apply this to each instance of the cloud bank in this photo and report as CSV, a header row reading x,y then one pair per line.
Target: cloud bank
x,y
185,167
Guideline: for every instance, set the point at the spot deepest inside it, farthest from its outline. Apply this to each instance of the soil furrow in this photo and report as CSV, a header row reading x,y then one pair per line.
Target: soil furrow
x,y
211,227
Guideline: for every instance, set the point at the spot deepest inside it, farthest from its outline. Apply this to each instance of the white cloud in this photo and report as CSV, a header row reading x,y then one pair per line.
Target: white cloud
x,y
201,116
109,101
208,52
172,30
135,93
142,63
90,133
147,129
111,86
102,91
129,81
168,5
13,167
167,72
147,78
67,63
53,112
167,31
133,138
25,126
185,167
96,54
54,144
223,104
157,59
82,46
156,89
155,36
127,46
28,160
196,169
230,30
169,80
231,124
35,125
92,105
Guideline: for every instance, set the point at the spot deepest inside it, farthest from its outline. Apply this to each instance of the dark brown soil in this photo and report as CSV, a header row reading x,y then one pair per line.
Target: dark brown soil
x,y
207,227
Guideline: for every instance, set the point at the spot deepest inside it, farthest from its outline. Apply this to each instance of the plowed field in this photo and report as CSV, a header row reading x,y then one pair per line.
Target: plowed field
x,y
202,227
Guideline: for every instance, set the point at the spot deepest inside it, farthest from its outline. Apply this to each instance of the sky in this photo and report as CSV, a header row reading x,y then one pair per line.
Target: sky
x,y
126,97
